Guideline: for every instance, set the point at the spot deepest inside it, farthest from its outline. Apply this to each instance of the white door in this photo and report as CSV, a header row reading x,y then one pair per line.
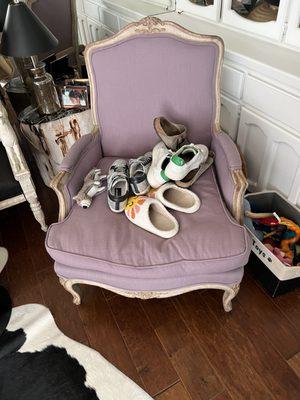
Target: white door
x,y
83,33
272,155
293,29
202,8
264,18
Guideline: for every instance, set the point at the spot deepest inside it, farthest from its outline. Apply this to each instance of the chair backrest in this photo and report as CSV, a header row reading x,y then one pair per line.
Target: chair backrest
x,y
153,68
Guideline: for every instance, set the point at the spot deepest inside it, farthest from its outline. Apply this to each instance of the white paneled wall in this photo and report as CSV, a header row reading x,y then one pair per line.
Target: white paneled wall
x,y
272,155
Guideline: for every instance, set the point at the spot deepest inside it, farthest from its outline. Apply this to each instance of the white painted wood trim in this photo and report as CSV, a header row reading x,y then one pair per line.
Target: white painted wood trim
x,y
293,27
230,291
12,201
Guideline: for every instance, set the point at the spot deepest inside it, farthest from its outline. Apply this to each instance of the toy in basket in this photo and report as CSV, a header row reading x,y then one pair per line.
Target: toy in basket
x,y
274,225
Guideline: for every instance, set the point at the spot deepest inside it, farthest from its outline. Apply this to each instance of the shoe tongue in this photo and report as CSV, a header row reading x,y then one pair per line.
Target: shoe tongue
x,y
178,160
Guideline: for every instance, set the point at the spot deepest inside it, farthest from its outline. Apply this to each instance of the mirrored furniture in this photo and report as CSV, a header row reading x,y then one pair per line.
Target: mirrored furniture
x,y
205,8
260,17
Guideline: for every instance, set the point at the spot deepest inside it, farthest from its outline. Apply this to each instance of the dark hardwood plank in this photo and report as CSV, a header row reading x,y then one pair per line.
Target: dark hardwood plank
x,y
103,333
59,302
246,330
152,363
35,239
228,356
189,361
13,236
223,396
289,304
294,363
23,284
176,392
261,310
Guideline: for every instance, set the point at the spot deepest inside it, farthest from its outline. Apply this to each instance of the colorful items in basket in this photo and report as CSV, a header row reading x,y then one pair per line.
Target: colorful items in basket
x,y
279,234
143,187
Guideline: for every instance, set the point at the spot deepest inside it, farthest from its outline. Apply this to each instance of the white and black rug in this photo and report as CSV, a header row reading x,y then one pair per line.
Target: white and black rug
x,y
38,362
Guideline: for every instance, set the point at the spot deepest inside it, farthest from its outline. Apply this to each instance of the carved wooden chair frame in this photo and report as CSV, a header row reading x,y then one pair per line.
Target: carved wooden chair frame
x,y
150,26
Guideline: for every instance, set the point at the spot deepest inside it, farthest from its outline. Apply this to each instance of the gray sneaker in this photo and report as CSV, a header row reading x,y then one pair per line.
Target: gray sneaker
x,y
118,186
138,169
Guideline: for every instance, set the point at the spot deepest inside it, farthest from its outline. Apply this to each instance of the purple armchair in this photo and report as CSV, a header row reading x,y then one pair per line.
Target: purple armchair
x,y
152,68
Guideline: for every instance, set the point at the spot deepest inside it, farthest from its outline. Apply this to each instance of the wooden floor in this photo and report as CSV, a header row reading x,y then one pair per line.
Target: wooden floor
x,y
176,349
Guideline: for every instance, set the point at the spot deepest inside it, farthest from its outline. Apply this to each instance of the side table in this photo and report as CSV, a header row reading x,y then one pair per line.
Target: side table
x,y
51,137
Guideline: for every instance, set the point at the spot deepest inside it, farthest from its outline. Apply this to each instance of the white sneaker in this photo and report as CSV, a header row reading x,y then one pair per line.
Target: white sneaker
x,y
118,186
160,159
138,169
186,159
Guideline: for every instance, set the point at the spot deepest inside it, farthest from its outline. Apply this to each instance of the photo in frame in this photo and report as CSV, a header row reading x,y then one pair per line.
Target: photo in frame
x,y
74,96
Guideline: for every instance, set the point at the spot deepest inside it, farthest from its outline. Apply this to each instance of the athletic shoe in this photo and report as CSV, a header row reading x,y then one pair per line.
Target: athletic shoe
x,y
160,158
173,135
186,159
138,169
118,186
193,175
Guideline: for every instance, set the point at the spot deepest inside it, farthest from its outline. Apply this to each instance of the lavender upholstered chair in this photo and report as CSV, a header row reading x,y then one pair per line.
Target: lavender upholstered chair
x,y
152,68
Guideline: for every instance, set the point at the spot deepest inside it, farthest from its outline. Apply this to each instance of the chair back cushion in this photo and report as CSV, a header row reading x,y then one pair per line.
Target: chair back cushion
x,y
140,74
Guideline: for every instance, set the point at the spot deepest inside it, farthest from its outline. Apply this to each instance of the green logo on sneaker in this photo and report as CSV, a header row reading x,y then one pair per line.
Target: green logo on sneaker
x,y
178,161
164,176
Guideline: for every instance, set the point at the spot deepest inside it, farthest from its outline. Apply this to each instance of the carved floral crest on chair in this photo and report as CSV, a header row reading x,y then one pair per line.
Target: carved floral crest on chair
x,y
150,25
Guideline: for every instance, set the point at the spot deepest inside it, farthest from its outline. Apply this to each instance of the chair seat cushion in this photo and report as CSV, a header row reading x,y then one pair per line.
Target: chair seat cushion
x,y
95,244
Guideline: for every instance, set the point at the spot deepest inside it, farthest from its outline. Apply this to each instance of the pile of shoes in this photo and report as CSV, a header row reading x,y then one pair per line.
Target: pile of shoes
x,y
146,186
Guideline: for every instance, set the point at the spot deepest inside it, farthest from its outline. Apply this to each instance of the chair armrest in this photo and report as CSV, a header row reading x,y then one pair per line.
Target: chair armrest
x,y
231,179
81,158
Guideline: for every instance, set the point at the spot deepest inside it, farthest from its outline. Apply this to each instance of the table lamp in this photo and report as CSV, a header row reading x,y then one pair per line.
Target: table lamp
x,y
25,35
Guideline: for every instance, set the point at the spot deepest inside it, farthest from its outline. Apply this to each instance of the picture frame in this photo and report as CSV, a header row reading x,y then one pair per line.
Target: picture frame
x,y
74,96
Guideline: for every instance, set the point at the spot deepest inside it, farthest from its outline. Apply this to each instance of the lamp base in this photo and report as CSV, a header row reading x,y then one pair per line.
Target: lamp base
x,y
44,90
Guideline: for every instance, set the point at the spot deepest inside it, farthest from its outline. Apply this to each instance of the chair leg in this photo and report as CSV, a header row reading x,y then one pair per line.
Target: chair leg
x,y
68,286
29,191
38,213
228,295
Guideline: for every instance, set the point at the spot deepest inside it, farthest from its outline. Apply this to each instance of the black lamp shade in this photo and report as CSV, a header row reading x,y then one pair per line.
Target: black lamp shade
x,y
3,10
24,34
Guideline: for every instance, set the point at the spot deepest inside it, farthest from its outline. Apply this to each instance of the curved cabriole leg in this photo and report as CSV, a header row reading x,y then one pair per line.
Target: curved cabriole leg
x,y
68,285
228,296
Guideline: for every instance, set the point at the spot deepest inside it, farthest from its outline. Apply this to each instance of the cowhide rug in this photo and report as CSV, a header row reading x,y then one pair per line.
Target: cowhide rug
x,y
38,362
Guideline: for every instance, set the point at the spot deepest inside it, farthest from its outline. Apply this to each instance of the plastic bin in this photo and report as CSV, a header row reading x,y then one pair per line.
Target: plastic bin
x,y
276,277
